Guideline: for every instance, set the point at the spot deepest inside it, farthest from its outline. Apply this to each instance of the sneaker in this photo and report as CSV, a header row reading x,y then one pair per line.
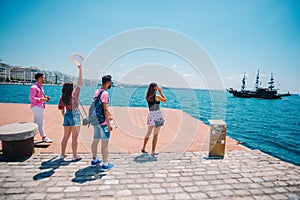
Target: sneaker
x,y
95,163
47,140
108,167
61,157
76,158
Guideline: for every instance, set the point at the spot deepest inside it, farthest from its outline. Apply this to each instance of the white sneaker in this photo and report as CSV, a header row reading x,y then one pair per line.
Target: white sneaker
x,y
47,140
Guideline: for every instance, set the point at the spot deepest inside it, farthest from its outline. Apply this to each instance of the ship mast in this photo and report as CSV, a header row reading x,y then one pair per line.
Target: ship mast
x,y
271,83
243,82
257,81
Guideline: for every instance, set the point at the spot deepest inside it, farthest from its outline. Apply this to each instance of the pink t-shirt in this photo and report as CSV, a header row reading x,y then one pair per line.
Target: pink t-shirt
x,y
36,93
104,99
73,102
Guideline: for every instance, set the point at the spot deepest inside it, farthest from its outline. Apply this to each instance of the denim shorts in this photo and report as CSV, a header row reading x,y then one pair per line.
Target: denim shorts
x,y
101,132
72,118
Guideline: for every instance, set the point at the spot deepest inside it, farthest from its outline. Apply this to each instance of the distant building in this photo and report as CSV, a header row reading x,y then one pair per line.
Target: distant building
x,y
4,72
23,74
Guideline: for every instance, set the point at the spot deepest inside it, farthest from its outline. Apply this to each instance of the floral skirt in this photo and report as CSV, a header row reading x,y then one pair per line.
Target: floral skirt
x,y
153,116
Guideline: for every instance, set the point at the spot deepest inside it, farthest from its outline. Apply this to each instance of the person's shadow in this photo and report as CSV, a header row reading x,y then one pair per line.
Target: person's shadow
x,y
88,174
145,157
52,164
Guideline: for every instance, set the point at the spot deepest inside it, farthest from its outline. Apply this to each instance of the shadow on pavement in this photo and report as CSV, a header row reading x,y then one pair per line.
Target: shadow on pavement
x,y
88,174
145,157
4,159
41,144
52,164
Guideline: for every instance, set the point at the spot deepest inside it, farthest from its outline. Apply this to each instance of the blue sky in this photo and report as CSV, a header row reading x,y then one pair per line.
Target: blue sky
x,y
239,36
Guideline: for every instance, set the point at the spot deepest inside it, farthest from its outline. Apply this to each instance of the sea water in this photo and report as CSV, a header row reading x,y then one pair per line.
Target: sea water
x,y
272,126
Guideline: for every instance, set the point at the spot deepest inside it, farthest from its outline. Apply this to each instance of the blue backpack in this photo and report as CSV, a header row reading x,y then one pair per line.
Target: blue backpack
x,y
96,112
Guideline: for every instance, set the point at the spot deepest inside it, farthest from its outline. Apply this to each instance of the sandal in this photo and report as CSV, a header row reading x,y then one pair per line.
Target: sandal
x,y
143,151
154,154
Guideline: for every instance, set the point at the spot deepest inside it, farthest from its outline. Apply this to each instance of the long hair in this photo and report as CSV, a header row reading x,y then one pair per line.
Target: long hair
x,y
67,93
151,92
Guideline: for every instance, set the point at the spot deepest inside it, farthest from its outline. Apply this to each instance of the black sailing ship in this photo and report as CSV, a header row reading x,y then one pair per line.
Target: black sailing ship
x,y
263,93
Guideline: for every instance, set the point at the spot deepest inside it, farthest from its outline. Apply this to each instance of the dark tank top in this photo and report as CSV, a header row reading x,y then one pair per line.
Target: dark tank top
x,y
153,105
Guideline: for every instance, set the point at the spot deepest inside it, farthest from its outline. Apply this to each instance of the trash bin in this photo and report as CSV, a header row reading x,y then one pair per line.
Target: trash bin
x,y
217,140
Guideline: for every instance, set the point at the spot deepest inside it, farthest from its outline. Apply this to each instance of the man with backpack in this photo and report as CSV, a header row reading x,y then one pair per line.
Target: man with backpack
x,y
102,130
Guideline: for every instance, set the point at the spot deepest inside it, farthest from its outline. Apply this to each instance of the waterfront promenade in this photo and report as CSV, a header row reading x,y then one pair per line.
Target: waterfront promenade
x,y
181,171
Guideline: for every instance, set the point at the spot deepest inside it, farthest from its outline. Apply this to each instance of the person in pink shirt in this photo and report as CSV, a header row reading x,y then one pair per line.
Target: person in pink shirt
x,y
68,104
38,99
102,131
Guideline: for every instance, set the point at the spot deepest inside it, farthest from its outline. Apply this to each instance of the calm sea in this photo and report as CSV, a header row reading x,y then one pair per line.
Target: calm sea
x,y
272,126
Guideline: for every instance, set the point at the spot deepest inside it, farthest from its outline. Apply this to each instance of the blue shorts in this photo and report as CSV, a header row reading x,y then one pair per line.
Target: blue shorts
x,y
101,132
72,118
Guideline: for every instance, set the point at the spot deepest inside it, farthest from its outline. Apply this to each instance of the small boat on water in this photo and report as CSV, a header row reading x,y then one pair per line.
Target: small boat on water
x,y
263,93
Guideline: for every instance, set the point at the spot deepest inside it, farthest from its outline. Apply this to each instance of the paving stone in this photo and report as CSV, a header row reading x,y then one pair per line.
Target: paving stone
x,y
146,197
36,196
124,193
55,189
107,193
158,190
183,184
202,183
151,185
280,189
199,195
111,182
14,196
214,194
164,196
279,196
55,196
72,189
192,189
141,191
14,191
182,196
227,192
242,192
169,185
134,186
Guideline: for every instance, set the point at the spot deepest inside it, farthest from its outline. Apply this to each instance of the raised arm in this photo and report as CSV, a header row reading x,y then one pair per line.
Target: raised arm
x,y
79,76
162,96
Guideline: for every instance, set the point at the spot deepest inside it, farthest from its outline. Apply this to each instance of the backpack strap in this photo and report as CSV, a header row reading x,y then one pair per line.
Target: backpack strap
x,y
99,95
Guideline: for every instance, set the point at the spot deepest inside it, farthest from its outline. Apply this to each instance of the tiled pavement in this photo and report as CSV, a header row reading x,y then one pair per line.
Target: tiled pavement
x,y
189,175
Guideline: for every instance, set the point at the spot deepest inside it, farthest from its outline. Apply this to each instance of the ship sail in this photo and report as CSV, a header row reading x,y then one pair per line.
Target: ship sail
x,y
243,82
271,83
257,81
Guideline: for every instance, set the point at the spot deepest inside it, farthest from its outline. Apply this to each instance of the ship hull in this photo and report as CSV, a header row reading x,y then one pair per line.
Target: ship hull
x,y
263,94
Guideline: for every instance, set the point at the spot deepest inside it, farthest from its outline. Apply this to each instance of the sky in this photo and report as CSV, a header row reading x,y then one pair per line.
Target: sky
x,y
237,36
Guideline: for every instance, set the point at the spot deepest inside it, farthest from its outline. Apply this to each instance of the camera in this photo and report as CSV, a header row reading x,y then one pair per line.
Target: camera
x,y
86,121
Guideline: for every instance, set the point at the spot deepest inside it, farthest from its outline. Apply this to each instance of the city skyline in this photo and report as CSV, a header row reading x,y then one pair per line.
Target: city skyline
x,y
239,37
24,74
